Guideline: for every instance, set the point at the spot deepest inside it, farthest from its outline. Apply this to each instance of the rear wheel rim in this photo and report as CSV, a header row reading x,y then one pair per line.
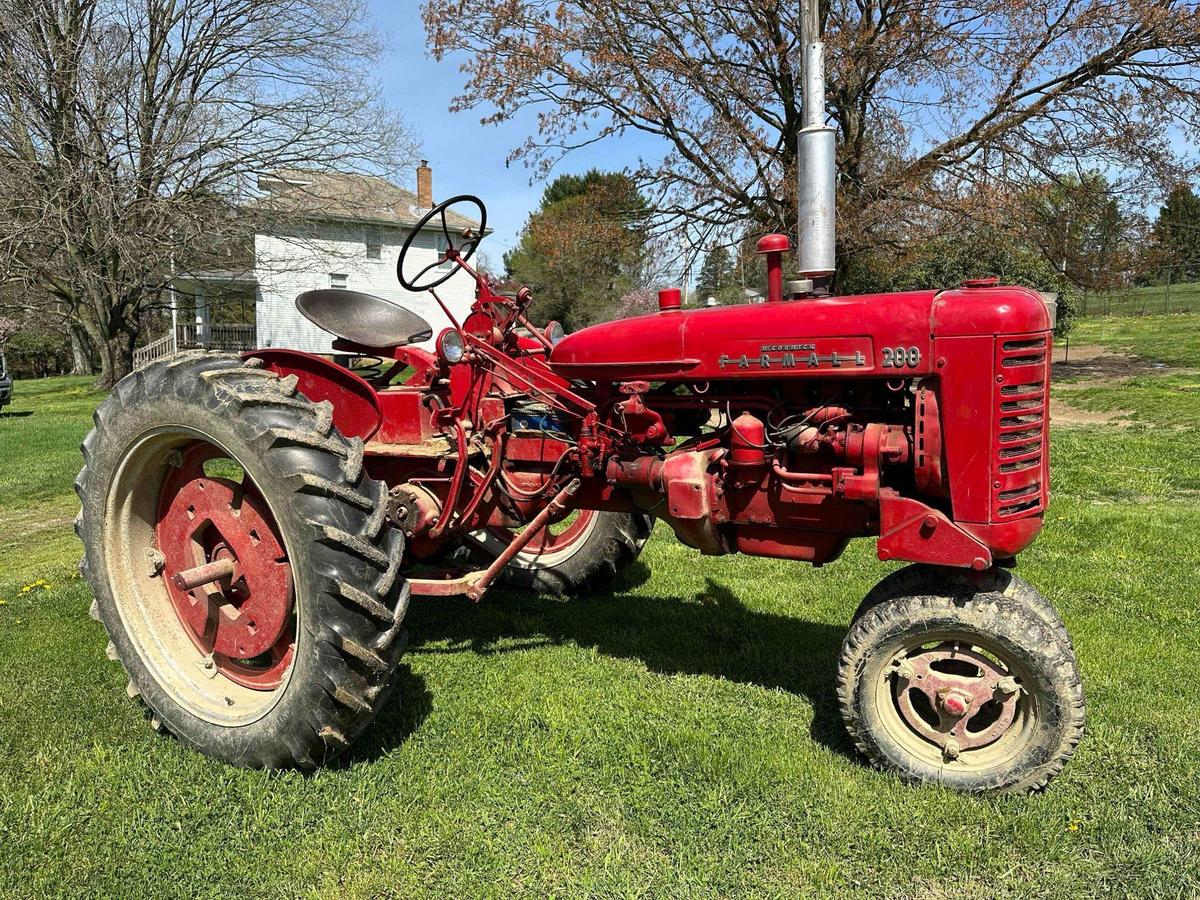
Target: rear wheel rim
x,y
150,538
557,541
242,621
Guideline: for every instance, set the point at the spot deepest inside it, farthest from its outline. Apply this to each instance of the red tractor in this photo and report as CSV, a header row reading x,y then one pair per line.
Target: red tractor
x,y
254,528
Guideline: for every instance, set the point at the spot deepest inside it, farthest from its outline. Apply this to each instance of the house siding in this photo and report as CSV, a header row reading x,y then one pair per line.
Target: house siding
x,y
287,264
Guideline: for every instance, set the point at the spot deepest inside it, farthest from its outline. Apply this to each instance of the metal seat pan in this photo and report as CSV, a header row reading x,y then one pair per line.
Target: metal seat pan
x,y
363,318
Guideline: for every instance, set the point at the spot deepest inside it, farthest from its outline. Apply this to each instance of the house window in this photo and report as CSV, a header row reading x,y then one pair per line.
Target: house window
x,y
337,280
374,246
439,244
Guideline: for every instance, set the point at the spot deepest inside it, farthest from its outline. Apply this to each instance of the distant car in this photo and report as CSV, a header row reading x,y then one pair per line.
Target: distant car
x,y
5,383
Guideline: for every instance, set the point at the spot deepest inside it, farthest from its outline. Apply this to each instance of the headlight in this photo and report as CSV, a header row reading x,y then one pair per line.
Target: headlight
x,y
555,333
451,347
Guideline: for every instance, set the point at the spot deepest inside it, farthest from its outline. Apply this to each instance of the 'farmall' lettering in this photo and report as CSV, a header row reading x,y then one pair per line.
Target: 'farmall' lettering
x,y
772,357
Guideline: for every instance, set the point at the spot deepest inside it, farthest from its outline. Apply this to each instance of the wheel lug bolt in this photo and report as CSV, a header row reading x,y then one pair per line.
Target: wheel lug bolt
x,y
1007,685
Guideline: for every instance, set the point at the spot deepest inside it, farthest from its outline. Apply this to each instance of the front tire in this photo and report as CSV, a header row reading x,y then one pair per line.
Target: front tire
x,y
291,653
920,578
969,689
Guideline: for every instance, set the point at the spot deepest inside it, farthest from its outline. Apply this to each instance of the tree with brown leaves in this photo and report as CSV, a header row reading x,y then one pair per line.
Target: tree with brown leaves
x,y
941,106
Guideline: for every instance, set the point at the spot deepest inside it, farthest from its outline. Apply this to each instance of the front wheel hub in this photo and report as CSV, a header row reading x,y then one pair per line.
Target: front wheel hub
x,y
956,703
955,697
225,570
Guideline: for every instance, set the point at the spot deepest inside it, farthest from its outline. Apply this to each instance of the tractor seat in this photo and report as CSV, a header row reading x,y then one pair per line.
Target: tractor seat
x,y
363,318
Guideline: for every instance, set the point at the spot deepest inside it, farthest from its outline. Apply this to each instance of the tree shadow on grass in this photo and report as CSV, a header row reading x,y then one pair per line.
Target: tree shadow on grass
x,y
710,633
20,414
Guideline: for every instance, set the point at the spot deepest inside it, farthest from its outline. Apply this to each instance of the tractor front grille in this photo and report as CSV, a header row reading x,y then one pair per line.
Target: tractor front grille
x,y
1019,470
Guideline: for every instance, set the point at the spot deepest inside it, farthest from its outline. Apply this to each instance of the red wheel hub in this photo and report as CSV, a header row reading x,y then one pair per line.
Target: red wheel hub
x,y
226,570
955,696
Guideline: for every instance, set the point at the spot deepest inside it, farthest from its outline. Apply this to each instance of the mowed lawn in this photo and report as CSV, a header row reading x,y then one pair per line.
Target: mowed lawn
x,y
675,738
1141,301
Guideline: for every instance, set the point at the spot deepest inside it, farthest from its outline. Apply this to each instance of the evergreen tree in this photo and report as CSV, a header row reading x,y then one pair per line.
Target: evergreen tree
x,y
1177,235
716,275
583,248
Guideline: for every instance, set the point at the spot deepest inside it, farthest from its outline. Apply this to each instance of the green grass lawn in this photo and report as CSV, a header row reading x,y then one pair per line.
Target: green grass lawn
x,y
1168,398
1170,339
677,737
1143,301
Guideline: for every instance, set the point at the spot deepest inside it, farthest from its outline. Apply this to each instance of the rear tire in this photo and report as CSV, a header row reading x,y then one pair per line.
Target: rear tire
x,y
610,543
345,595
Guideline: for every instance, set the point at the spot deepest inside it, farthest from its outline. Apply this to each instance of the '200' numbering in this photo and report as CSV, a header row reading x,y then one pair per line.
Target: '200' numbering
x,y
901,357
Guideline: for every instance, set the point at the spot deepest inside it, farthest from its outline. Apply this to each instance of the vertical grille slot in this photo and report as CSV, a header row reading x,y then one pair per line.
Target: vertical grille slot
x,y
1020,437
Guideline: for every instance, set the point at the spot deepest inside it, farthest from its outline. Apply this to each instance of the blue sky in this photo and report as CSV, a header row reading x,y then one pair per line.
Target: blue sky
x,y
467,157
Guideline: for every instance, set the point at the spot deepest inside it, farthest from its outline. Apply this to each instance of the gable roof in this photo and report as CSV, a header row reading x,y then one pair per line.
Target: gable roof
x,y
346,197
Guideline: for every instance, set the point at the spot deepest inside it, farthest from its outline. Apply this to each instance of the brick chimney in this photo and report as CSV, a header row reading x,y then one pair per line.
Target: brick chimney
x,y
424,185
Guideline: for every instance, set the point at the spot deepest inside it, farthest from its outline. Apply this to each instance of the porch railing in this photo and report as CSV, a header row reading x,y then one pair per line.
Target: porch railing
x,y
188,335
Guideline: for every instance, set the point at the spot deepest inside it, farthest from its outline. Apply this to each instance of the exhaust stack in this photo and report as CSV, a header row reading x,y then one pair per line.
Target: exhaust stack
x,y
816,159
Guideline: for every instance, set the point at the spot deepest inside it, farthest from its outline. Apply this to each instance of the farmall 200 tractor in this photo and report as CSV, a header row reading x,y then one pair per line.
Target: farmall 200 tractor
x,y
255,527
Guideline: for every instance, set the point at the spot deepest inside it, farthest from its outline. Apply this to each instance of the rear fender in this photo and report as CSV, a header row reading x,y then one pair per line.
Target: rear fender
x,y
356,408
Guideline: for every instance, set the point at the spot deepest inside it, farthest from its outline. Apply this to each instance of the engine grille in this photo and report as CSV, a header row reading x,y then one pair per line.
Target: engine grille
x,y
1021,448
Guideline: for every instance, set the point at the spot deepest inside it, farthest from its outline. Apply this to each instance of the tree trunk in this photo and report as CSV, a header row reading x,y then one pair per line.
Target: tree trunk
x,y
81,350
116,356
113,337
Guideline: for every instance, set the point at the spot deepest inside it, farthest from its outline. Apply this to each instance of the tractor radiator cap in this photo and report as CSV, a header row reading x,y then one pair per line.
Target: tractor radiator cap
x,y
669,299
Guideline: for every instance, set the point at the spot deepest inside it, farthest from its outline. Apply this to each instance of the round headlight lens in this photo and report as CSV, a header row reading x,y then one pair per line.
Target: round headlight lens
x,y
555,333
451,347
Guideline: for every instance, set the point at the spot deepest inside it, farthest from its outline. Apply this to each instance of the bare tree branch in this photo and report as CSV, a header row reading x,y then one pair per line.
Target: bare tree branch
x,y
132,133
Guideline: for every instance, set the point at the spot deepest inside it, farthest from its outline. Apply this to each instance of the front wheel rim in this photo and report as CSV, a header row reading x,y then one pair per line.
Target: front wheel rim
x,y
150,538
957,700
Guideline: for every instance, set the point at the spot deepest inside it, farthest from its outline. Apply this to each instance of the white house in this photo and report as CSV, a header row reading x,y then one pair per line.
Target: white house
x,y
322,230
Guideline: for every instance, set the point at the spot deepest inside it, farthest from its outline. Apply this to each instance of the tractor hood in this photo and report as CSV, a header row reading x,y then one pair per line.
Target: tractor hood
x,y
837,335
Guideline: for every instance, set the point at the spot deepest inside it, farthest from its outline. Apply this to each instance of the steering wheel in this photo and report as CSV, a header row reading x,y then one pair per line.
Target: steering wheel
x,y
470,238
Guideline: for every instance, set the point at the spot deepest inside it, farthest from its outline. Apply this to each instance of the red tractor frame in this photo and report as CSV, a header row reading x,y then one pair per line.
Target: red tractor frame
x,y
255,528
